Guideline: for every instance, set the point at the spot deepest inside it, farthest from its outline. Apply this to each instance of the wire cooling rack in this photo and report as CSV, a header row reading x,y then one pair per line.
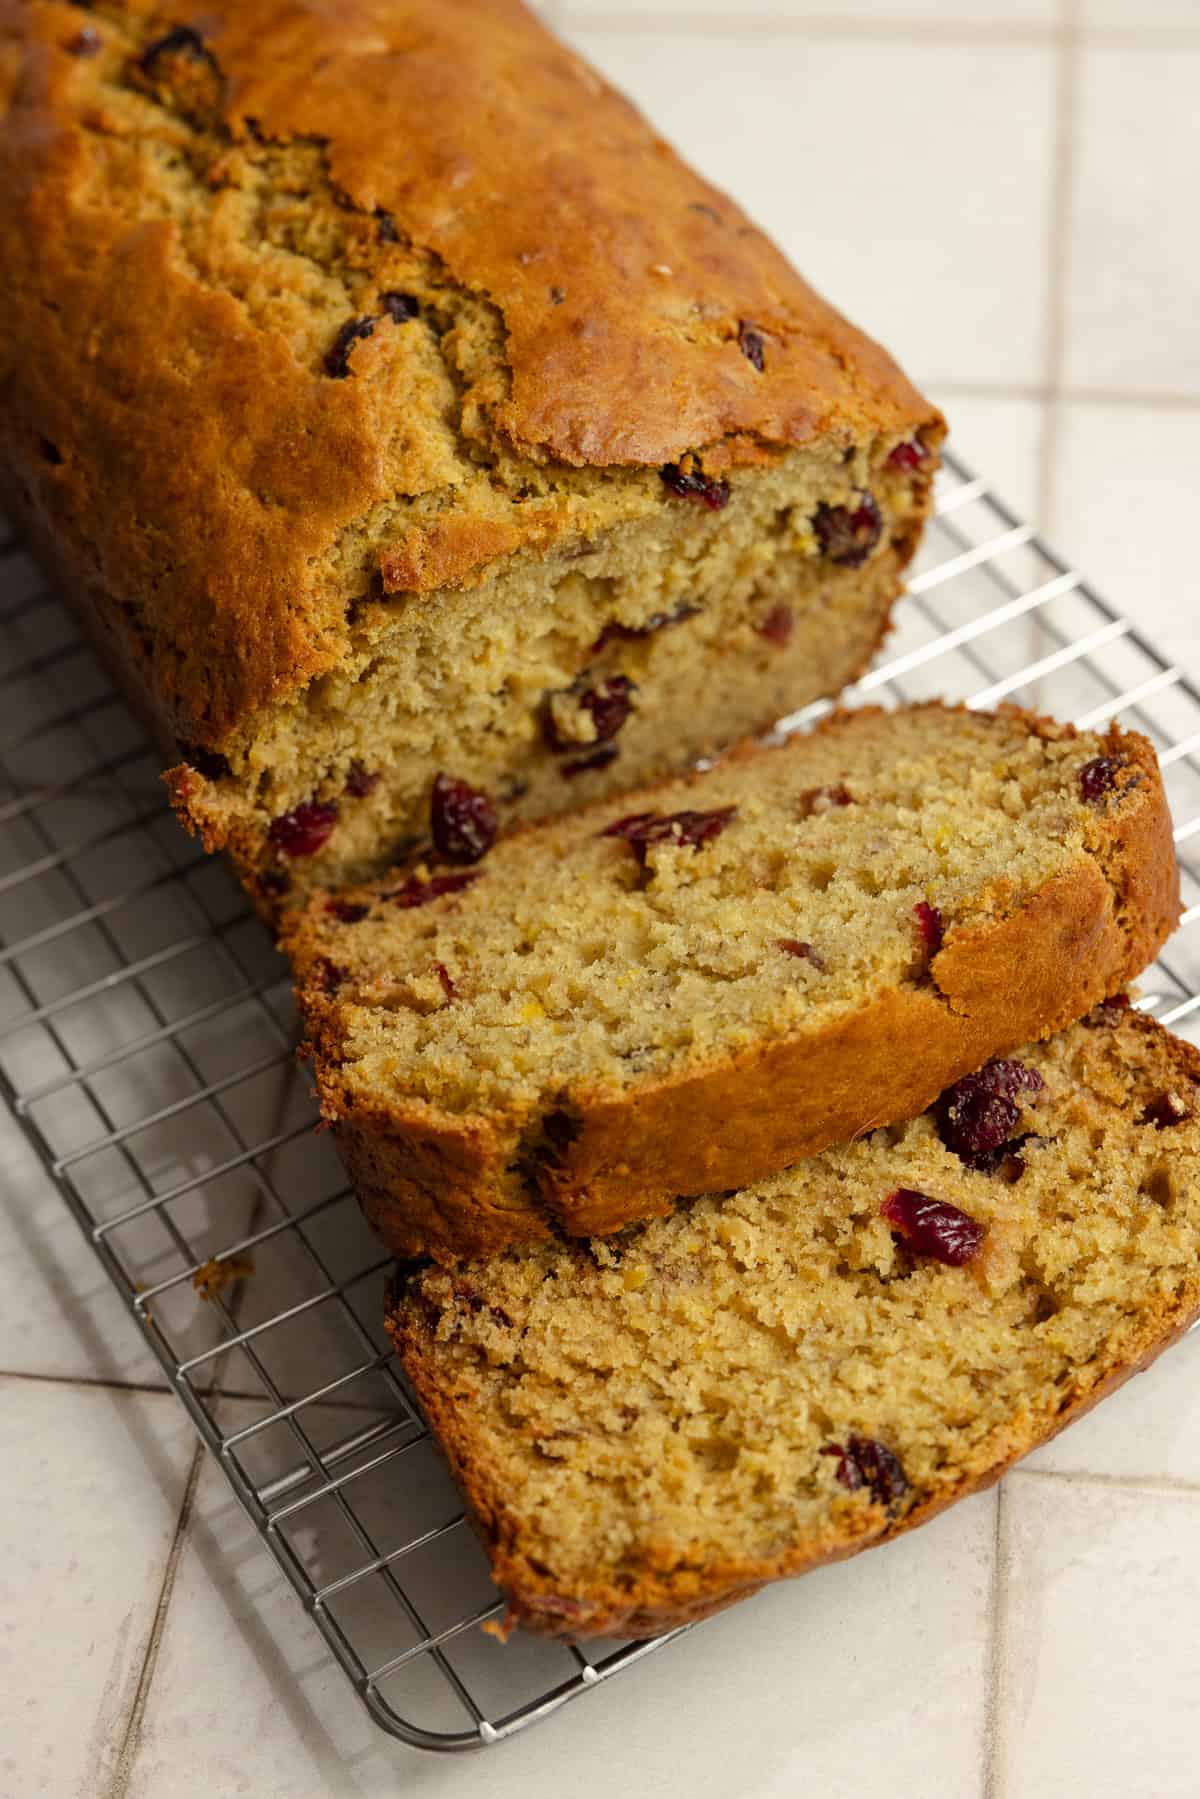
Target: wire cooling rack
x,y
146,1046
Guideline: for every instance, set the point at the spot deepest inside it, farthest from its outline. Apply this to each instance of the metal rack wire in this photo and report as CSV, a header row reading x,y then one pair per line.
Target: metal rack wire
x,y
145,1045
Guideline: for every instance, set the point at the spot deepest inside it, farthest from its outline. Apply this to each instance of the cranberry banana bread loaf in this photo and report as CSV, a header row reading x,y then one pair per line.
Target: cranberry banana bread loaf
x,y
649,1427
686,989
396,403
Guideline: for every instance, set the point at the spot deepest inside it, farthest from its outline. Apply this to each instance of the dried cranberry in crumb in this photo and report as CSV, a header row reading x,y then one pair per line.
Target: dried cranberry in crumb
x,y
86,42
815,801
908,455
862,1462
751,345
777,626
346,911
933,1227
329,975
848,534
416,892
975,1117
1166,1110
462,819
361,781
561,1131
793,946
929,923
609,702
337,357
305,829
641,829
400,307
209,763
1107,1012
600,757
658,621
1098,777
447,980
690,484
181,41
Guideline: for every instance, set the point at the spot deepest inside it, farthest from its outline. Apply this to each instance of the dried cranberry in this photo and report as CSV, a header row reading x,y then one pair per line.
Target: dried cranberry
x,y
777,626
181,41
908,455
561,1131
815,801
303,830
1166,1110
690,484
209,763
600,757
346,911
1098,777
1108,1011
641,829
361,781
751,345
337,357
400,307
792,946
975,1117
848,534
609,702
933,1227
862,1462
416,892
86,42
658,621
929,923
463,820
447,980
329,975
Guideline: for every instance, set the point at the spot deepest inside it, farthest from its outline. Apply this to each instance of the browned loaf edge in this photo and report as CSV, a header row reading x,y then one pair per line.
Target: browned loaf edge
x,y
428,1182
655,1602
188,477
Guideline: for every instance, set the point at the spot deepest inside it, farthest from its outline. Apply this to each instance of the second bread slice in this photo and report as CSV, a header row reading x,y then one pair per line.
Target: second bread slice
x,y
692,987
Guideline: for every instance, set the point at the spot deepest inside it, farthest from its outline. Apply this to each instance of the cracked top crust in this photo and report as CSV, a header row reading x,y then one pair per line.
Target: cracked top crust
x,y
187,231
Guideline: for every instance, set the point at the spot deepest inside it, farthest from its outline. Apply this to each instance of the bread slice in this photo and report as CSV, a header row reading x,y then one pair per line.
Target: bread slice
x,y
649,1427
606,1014
424,396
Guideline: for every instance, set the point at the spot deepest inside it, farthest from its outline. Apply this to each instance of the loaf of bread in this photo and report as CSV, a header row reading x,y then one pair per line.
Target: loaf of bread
x,y
394,402
650,1426
686,989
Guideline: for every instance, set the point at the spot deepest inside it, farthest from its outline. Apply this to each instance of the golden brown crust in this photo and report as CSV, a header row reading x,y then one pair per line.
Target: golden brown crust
x,y
200,481
657,1599
428,1181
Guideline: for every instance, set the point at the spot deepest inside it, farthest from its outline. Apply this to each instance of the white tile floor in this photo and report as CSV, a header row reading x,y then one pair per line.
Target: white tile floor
x,y
1024,174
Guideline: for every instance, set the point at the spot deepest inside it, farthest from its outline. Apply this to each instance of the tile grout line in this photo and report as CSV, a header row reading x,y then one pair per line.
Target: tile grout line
x,y
164,1390
131,1736
570,16
992,1784
105,1383
755,27
1058,255
1124,1483
1146,400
